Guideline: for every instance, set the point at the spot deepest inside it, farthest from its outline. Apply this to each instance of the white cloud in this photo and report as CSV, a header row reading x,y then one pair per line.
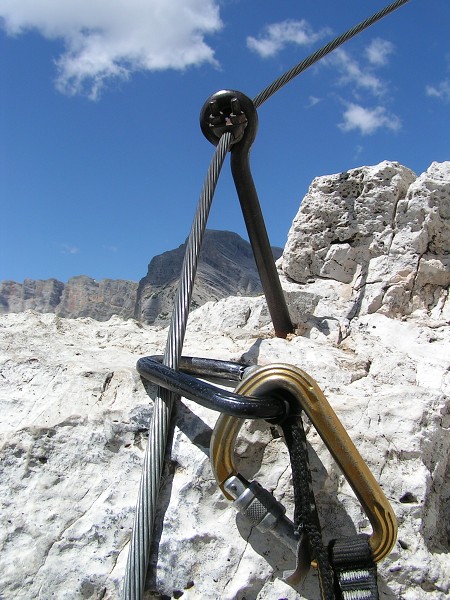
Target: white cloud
x,y
358,151
378,51
441,90
312,101
368,120
353,74
69,249
362,81
107,40
113,249
277,35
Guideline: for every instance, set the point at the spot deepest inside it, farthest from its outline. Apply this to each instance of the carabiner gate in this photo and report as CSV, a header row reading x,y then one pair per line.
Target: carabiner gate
x,y
303,390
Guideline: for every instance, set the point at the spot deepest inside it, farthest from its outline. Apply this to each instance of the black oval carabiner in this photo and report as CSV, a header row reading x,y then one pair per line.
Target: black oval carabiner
x,y
207,394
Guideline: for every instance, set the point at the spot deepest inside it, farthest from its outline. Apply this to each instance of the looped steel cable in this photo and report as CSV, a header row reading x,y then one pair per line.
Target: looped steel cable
x,y
138,556
319,54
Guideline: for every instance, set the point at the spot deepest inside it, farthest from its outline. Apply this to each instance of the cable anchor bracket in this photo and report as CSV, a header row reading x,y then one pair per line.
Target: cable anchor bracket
x,y
233,111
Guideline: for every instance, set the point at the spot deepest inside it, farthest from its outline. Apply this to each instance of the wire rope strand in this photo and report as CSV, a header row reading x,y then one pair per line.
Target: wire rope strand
x,y
139,550
180,312
319,54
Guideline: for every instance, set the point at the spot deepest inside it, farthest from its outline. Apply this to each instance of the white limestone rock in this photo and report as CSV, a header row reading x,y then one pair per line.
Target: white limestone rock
x,y
75,416
354,210
381,231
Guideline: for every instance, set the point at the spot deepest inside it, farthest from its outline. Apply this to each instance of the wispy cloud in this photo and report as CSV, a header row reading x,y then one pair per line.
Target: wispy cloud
x,y
107,41
441,90
360,78
378,52
352,73
358,151
278,35
368,120
312,101
69,249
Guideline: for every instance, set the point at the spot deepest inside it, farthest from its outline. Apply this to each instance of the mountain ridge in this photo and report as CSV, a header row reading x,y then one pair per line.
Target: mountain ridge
x,y
226,267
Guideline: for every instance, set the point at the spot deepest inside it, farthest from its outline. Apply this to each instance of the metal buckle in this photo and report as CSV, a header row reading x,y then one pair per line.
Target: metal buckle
x,y
302,388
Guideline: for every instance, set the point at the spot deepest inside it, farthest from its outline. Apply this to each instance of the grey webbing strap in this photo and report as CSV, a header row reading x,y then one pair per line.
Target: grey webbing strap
x,y
354,568
349,559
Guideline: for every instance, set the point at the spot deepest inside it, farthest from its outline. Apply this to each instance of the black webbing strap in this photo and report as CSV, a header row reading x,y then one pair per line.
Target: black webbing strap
x,y
354,568
306,518
346,570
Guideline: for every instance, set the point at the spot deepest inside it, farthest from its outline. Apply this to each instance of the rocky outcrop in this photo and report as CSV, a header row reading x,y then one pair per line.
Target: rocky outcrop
x,y
42,296
81,296
85,297
226,268
75,416
382,234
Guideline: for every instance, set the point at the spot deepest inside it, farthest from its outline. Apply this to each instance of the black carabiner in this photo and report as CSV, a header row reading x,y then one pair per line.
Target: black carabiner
x,y
208,395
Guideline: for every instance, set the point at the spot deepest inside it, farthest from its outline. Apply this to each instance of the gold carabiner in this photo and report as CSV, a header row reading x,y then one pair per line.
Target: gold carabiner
x,y
303,389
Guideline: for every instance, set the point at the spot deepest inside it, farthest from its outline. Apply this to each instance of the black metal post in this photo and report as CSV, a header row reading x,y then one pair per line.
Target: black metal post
x,y
234,111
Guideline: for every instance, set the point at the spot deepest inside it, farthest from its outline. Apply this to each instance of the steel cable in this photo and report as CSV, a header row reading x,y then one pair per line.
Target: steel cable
x,y
139,550
319,54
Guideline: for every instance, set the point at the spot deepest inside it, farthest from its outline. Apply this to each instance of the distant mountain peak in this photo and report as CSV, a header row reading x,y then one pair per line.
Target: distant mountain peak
x,y
226,268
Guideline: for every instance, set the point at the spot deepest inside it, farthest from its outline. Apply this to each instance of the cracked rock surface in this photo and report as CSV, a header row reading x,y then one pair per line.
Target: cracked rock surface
x,y
366,275
381,230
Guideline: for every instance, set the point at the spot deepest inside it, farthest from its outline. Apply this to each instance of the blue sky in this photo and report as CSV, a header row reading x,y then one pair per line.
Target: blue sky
x,y
101,155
